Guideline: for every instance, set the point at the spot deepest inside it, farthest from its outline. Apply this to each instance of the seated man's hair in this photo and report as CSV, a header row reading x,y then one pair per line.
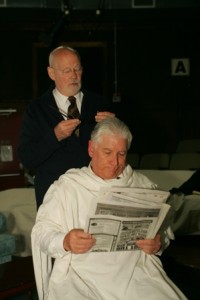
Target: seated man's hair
x,y
111,126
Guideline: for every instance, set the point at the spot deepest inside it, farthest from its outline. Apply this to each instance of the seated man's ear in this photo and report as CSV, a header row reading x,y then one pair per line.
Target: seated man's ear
x,y
90,148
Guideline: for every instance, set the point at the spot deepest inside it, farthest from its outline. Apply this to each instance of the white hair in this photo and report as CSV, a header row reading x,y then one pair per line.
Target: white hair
x,y
111,126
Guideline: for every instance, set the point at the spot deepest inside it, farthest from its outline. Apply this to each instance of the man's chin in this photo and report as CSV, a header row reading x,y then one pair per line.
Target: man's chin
x,y
110,175
75,87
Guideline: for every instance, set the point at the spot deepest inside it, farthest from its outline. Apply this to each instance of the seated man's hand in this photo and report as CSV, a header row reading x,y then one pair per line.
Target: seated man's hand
x,y
77,241
150,246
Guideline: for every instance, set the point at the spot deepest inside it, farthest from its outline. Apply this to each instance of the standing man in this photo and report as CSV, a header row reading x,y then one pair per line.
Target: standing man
x,y
51,139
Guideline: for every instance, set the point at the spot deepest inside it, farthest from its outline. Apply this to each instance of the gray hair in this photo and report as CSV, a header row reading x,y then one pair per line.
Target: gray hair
x,y
111,126
63,47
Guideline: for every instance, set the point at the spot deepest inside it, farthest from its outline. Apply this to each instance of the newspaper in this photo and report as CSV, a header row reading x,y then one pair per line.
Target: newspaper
x,y
120,216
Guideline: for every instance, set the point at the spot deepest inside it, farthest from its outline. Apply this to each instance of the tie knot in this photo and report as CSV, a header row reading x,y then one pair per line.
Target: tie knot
x,y
72,99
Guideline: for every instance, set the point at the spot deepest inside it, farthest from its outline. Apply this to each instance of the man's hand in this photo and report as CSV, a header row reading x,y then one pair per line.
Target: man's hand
x,y
65,128
102,115
150,246
77,241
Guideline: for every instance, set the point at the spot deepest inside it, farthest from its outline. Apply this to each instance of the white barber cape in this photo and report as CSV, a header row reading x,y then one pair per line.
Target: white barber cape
x,y
123,275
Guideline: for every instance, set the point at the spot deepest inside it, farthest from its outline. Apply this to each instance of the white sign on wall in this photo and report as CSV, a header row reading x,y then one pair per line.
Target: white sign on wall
x,y
180,66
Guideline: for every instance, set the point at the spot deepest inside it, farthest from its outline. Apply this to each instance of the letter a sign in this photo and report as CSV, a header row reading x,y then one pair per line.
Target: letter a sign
x,y
180,67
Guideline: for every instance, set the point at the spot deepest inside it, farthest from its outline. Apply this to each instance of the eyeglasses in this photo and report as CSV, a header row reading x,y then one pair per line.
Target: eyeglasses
x,y
67,71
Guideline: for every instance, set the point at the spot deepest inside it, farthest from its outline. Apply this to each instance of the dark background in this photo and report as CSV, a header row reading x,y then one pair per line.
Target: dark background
x,y
124,49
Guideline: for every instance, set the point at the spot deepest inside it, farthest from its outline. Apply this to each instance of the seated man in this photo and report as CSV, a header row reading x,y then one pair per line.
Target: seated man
x,y
77,272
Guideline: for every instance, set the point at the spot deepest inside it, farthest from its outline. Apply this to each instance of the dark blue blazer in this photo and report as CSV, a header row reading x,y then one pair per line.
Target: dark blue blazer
x,y
41,152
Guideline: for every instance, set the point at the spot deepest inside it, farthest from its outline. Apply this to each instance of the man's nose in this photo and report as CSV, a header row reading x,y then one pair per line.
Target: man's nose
x,y
115,159
74,73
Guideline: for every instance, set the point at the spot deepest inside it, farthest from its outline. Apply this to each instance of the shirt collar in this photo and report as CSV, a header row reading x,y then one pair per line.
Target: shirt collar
x,y
62,101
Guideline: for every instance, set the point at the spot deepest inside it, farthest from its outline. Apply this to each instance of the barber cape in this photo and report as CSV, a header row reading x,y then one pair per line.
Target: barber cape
x,y
121,275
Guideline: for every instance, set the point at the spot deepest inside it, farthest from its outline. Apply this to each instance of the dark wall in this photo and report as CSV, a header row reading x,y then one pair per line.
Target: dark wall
x,y
164,108
159,108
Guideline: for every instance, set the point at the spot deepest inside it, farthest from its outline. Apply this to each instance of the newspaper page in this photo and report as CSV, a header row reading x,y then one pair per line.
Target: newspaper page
x,y
119,219
142,193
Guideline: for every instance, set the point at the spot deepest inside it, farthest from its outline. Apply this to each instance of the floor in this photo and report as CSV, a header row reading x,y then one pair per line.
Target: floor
x,y
182,265
186,279
25,297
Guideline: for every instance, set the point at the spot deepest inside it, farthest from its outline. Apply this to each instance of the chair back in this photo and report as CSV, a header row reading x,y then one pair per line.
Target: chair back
x,y
185,161
155,161
188,146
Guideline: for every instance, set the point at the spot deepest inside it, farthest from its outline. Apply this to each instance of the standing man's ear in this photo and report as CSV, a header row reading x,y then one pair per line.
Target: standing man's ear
x,y
50,72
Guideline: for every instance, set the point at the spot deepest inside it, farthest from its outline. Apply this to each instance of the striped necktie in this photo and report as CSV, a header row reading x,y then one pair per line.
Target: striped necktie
x,y
73,111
